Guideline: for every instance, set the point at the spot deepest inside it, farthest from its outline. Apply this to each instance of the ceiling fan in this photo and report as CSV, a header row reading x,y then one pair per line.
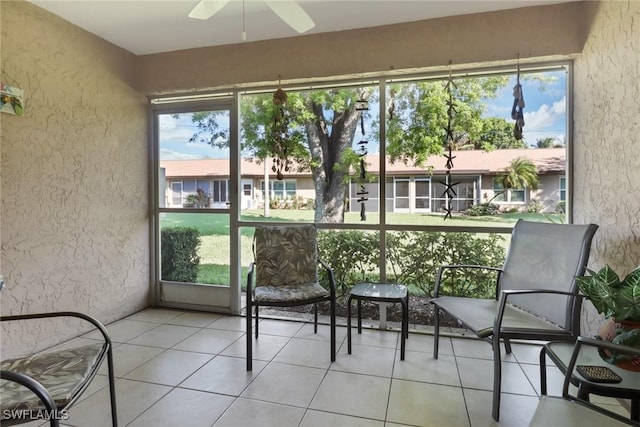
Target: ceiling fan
x,y
289,11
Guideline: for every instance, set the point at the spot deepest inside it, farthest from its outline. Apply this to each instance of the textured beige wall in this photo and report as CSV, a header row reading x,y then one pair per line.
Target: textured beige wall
x,y
531,32
74,176
607,141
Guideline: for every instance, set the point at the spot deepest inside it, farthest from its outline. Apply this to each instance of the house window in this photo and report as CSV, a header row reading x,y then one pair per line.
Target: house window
x,y
563,188
511,195
423,194
176,193
401,193
498,191
220,193
280,189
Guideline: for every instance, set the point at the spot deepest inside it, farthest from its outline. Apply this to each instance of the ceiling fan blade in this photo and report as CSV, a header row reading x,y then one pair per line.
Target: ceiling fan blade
x,y
205,9
292,13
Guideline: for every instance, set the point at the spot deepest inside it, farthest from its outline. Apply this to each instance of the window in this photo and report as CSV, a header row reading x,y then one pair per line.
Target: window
x,y
511,195
220,193
423,195
499,195
176,191
280,189
401,193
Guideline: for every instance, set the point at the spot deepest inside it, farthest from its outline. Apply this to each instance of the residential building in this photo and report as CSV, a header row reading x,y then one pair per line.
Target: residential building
x,y
409,188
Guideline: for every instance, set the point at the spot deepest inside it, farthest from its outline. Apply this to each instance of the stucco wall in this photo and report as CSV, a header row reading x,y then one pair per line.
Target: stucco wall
x,y
607,141
74,176
540,31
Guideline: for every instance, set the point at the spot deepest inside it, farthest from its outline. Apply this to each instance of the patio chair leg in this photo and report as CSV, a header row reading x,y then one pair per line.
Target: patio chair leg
x,y
507,346
349,325
404,330
543,372
407,320
497,378
249,338
436,330
112,387
333,330
256,321
359,316
315,318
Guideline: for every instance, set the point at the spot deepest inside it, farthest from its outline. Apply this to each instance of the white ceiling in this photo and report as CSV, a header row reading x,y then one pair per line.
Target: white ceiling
x,y
152,26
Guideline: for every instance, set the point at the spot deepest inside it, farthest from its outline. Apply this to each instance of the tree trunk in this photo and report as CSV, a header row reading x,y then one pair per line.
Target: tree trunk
x,y
330,175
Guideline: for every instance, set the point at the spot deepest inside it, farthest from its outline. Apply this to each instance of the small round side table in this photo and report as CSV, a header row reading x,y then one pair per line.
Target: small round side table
x,y
380,292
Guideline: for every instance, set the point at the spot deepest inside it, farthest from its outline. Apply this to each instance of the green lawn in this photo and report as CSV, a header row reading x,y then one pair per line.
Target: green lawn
x,y
214,231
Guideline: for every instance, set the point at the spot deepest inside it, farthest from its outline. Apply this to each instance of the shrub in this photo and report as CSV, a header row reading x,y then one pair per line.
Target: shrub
x,y
536,206
416,256
352,255
561,207
179,254
483,209
413,259
274,203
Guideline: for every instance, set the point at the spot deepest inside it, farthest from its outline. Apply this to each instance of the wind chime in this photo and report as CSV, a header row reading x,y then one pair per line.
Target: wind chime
x,y
362,105
280,136
449,191
517,113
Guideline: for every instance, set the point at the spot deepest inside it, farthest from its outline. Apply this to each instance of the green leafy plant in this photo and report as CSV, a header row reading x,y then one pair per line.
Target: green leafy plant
x,y
483,209
179,254
611,296
414,258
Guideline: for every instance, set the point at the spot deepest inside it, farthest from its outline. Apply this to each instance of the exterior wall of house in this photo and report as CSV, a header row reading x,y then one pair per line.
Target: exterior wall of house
x,y
74,211
547,194
606,146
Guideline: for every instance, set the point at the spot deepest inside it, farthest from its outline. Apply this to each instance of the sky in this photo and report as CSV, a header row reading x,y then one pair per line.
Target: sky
x,y
544,111
544,116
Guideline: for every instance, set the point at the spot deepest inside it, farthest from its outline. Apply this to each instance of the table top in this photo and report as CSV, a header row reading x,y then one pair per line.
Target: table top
x,y
560,353
379,290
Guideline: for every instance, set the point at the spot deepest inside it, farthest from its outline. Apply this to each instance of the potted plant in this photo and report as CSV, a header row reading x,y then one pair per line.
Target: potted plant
x,y
619,301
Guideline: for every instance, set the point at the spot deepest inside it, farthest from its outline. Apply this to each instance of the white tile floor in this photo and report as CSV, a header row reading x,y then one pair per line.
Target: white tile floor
x,y
187,369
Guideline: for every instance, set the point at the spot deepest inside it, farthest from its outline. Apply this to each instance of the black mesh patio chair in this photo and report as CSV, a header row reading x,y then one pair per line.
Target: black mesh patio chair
x,y
286,274
536,291
44,386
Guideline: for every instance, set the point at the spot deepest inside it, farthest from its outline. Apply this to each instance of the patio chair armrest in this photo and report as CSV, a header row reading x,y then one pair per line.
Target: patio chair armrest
x,y
332,280
600,344
33,385
95,322
504,295
442,268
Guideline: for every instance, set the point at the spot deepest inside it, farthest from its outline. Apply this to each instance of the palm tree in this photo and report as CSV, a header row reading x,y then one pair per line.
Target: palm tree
x,y
521,173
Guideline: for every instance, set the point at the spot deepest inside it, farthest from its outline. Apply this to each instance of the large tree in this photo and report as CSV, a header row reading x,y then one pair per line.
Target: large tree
x,y
316,129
